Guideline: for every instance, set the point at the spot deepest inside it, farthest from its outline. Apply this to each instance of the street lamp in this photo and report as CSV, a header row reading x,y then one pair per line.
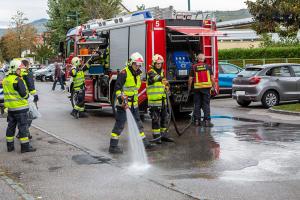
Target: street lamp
x,y
189,5
76,15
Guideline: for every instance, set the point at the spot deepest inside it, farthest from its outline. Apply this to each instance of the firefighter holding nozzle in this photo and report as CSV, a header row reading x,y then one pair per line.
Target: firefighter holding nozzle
x,y
126,90
157,87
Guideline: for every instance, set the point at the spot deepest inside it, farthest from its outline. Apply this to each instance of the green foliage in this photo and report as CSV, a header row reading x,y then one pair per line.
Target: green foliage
x,y
256,53
276,16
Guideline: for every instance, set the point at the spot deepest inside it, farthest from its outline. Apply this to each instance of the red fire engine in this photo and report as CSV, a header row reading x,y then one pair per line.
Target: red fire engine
x,y
177,36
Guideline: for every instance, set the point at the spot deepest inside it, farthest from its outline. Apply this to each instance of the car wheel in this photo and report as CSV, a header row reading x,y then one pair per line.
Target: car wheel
x,y
43,78
270,99
243,103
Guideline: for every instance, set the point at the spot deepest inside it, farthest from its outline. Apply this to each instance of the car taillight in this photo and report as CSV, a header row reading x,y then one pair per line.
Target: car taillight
x,y
254,80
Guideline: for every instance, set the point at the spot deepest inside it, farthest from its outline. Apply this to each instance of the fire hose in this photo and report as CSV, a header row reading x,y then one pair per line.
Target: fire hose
x,y
172,117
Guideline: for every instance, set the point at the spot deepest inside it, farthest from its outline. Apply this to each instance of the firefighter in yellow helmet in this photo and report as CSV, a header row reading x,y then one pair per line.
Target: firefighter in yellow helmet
x,y
77,72
15,100
126,90
157,101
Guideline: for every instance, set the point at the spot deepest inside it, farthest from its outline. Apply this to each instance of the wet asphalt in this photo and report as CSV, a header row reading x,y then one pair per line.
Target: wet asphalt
x,y
249,153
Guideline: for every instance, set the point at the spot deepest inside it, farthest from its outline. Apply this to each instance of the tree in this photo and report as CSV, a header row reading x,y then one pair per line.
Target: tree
x,y
276,16
61,10
18,38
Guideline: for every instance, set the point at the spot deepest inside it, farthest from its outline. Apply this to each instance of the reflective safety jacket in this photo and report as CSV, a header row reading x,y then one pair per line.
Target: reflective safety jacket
x,y
130,88
155,88
13,101
78,77
201,76
29,81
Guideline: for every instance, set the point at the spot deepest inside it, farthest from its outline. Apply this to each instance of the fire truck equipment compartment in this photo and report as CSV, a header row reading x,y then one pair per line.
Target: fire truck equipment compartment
x,y
182,62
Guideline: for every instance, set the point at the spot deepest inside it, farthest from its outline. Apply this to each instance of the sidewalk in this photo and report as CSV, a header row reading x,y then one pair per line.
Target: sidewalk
x,y
60,171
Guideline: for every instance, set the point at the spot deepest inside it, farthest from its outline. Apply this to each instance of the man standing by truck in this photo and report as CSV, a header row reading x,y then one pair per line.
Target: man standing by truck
x,y
202,79
126,90
15,100
157,100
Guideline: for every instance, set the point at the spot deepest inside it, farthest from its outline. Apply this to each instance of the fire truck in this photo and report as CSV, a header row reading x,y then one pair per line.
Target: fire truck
x,y
177,36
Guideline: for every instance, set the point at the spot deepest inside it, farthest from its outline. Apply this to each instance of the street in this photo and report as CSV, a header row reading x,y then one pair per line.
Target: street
x,y
250,153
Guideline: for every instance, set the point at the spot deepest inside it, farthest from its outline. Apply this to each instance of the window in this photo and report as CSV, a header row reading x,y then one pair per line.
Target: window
x,y
229,69
249,72
279,72
296,69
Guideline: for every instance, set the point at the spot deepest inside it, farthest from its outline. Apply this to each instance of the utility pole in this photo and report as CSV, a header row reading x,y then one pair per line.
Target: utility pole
x,y
189,5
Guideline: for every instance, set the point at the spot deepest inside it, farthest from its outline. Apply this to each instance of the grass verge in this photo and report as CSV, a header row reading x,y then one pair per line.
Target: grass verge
x,y
288,107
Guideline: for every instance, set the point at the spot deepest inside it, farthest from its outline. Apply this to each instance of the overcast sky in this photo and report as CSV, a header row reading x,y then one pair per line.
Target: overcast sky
x,y
36,9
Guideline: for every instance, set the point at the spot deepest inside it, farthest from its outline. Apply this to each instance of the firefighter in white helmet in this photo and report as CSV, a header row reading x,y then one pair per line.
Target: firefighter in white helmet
x,y
77,72
157,87
15,100
126,91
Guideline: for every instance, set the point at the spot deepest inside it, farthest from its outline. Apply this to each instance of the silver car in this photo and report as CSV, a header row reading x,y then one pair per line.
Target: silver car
x,y
270,84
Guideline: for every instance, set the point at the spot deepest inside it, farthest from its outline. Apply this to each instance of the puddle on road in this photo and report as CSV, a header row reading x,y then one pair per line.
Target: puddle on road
x,y
86,159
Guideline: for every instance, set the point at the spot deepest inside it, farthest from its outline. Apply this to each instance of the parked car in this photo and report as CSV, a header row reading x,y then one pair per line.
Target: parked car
x,y
34,68
269,84
227,72
46,73
2,75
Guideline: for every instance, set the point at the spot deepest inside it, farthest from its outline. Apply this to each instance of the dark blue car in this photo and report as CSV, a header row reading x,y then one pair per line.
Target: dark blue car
x,y
227,72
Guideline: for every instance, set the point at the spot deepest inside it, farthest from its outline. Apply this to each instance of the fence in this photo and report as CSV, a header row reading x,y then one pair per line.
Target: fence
x,y
245,62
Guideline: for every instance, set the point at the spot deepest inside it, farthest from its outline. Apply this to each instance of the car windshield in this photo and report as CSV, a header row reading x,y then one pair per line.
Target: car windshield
x,y
249,72
2,75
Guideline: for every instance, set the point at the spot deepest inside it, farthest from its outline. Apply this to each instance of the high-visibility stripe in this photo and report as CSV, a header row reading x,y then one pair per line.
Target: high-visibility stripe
x,y
156,131
33,92
115,136
142,134
24,140
78,108
9,139
20,108
163,129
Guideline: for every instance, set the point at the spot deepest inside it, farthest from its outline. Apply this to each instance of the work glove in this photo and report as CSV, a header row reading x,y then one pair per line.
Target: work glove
x,y
35,98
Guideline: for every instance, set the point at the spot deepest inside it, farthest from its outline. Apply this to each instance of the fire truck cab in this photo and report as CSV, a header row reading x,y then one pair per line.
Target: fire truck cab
x,y
177,36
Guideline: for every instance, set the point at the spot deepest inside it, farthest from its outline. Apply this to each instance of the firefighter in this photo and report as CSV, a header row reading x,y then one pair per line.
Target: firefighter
x,y
126,91
104,58
27,77
202,79
77,72
157,101
15,100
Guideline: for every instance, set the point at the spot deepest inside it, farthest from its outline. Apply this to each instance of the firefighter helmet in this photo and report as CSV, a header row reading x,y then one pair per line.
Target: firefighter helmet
x,y
76,61
136,58
14,65
157,59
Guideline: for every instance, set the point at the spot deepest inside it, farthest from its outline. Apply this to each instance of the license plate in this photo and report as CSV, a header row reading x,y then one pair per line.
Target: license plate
x,y
240,92
182,72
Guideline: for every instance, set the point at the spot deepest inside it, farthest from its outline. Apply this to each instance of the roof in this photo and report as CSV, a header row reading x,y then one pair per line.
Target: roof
x,y
235,23
272,65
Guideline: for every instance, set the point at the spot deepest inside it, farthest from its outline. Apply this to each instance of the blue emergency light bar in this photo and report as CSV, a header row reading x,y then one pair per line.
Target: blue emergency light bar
x,y
146,14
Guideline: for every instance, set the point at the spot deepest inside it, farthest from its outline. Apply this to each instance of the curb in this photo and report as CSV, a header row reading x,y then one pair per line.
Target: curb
x,y
284,112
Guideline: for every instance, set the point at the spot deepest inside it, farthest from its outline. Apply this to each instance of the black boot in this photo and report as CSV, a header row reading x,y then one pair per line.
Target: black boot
x,y
207,123
82,115
147,144
165,137
156,138
10,146
26,147
114,148
75,114
197,122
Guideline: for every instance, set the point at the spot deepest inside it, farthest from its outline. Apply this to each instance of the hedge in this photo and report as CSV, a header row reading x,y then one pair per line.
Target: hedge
x,y
258,53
